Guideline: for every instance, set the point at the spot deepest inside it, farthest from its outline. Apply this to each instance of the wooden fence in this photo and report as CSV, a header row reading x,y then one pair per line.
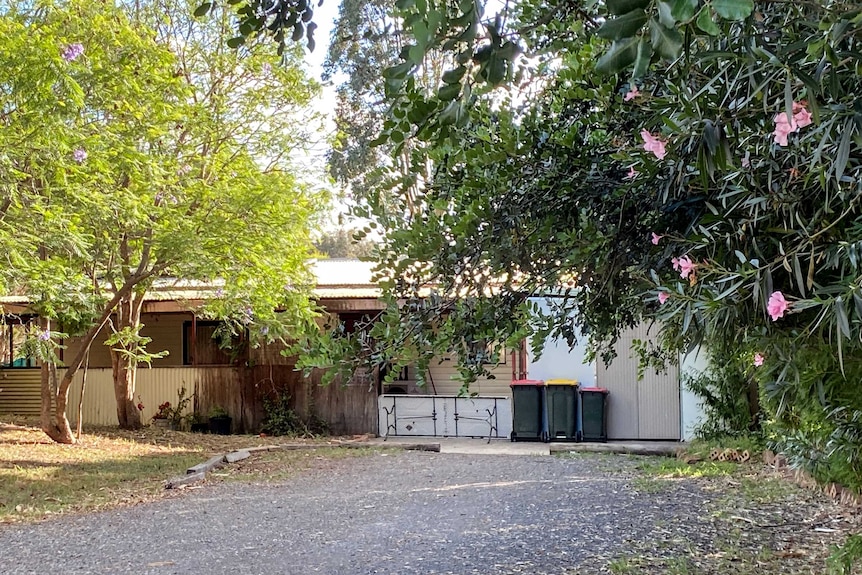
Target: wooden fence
x,y
347,409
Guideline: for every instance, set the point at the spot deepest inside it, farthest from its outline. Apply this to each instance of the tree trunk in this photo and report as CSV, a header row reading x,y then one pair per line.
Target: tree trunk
x,y
80,423
123,363
58,427
56,397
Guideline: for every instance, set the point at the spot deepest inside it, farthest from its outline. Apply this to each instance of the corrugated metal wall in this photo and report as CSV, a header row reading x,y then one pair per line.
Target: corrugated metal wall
x,y
639,409
19,391
154,386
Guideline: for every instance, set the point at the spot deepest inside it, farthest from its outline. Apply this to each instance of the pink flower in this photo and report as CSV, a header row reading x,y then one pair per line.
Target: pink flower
x,y
801,115
631,94
758,359
654,145
79,155
785,125
746,163
632,173
656,239
777,305
72,52
663,296
684,266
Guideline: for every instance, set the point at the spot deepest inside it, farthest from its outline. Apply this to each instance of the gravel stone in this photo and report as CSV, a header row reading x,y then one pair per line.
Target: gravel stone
x,y
388,513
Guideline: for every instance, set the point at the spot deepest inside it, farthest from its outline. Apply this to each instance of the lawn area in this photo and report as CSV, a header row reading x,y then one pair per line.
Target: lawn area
x,y
107,468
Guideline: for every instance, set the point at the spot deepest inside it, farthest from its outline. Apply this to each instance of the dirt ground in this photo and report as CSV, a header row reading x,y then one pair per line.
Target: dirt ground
x,y
377,510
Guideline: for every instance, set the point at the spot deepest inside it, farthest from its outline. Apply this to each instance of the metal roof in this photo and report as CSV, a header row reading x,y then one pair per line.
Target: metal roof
x,y
337,278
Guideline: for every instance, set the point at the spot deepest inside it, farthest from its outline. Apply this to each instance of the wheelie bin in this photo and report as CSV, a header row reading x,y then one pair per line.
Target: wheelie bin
x,y
562,405
594,413
529,416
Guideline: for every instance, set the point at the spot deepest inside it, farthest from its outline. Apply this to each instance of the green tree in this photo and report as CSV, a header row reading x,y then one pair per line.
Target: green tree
x,y
340,243
729,129
128,159
364,42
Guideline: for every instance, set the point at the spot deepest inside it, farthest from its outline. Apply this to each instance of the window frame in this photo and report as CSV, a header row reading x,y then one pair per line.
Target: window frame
x,y
27,322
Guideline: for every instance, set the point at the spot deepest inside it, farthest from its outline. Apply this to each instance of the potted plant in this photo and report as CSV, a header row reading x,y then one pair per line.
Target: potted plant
x,y
161,417
199,423
220,421
169,416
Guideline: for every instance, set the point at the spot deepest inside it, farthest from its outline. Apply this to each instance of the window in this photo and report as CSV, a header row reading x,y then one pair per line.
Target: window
x,y
210,343
14,331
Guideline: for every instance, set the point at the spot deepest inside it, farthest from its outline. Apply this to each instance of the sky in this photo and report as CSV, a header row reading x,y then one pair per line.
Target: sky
x,y
324,17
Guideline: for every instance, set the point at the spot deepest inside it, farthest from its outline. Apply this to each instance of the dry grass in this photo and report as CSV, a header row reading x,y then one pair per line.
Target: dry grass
x,y
107,468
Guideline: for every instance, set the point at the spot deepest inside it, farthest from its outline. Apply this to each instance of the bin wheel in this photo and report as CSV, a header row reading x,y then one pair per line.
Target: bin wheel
x,y
512,436
546,437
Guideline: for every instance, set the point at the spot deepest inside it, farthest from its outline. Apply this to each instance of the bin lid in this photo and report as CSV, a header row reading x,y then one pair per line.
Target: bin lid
x,y
530,382
561,382
595,390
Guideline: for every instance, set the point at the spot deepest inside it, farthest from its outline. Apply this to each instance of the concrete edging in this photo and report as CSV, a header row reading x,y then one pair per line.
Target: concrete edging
x,y
198,473
665,450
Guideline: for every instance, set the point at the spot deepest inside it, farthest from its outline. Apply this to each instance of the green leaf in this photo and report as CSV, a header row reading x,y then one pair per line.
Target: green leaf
x,y
711,136
398,72
644,55
454,76
449,92
416,54
683,10
624,26
449,114
665,14
494,70
841,316
203,9
706,23
733,9
667,42
619,56
236,42
797,272
843,155
617,7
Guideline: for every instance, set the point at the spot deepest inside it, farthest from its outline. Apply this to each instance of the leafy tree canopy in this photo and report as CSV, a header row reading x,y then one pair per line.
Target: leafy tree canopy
x,y
694,162
138,147
340,243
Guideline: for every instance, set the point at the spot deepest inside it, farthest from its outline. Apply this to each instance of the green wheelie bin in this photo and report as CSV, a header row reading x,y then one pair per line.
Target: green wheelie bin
x,y
562,405
529,417
594,414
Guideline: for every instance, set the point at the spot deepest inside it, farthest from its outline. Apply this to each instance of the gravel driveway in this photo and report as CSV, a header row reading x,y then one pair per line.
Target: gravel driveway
x,y
388,513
